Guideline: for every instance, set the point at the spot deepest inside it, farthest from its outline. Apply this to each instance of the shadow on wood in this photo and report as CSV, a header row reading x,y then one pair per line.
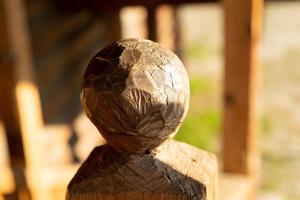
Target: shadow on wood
x,y
136,93
174,171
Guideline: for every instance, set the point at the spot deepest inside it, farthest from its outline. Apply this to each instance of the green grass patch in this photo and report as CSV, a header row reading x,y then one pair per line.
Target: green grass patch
x,y
200,86
200,129
199,50
266,125
202,124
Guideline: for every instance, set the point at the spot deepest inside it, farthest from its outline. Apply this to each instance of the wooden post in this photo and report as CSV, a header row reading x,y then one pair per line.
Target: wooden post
x,y
112,25
136,93
152,23
163,26
133,20
27,97
23,87
8,105
243,20
168,27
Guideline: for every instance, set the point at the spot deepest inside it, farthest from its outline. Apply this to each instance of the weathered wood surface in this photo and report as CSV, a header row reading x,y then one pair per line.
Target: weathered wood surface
x,y
136,93
173,171
243,20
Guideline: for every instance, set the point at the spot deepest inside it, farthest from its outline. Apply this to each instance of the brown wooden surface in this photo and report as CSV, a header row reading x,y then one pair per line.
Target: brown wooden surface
x,y
8,104
7,183
174,171
242,33
27,97
107,6
12,175
136,92
23,87
152,23
168,28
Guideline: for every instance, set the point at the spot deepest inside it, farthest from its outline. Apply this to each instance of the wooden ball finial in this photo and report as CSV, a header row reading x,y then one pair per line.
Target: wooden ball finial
x,y
136,93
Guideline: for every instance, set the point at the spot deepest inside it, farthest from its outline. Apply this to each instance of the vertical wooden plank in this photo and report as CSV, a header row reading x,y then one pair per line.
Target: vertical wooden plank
x,y
112,26
24,88
133,20
7,183
9,115
163,26
8,108
12,169
151,23
177,32
26,91
168,31
243,20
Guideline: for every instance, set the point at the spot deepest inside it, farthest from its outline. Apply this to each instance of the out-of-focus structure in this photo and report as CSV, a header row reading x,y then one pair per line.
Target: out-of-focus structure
x,y
42,42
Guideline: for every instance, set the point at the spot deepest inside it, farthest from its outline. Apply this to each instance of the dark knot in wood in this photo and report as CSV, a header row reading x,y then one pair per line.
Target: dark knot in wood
x,y
136,93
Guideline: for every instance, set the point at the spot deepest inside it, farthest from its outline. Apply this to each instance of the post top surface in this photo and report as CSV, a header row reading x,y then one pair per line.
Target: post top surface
x,y
136,93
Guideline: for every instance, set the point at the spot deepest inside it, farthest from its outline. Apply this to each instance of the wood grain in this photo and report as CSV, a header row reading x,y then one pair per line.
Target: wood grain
x,y
136,93
173,171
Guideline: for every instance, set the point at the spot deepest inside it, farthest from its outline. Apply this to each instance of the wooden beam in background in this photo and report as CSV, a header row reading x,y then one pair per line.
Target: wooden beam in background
x,y
108,6
112,25
8,105
168,27
152,23
163,26
243,20
23,87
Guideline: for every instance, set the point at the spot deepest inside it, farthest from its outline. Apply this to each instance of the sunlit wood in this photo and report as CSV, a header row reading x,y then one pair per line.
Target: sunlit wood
x,y
243,20
167,26
17,77
138,115
7,184
133,22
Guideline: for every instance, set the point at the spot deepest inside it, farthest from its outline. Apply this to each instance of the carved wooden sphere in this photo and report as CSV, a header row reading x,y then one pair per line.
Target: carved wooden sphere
x,y
136,93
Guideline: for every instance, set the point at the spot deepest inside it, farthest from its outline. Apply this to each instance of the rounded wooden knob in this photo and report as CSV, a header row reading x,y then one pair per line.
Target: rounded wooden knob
x,y
136,93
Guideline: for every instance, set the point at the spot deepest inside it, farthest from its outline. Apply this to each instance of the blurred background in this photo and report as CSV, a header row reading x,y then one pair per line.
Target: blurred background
x,y
45,46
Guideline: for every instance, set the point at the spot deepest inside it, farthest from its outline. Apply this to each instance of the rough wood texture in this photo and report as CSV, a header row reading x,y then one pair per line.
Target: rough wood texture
x,y
136,93
242,31
173,171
